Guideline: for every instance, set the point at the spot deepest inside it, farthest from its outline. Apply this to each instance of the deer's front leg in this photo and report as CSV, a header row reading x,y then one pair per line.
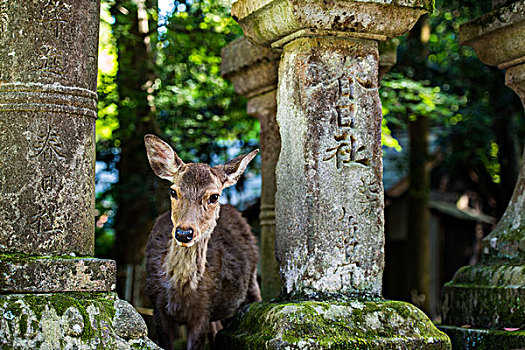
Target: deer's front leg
x,y
197,333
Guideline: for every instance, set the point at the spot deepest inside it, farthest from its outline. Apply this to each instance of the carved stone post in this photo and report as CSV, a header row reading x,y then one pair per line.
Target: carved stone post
x,y
329,200
53,293
490,296
253,71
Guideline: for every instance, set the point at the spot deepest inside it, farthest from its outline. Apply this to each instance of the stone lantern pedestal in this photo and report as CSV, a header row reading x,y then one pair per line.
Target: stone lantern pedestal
x,y
489,297
53,293
253,70
329,200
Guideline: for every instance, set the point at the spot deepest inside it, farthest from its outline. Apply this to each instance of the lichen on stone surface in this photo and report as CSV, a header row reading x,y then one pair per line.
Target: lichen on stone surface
x,y
334,325
491,296
67,320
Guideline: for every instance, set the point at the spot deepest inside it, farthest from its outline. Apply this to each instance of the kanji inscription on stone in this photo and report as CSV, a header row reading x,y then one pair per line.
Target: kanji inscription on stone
x,y
48,145
370,191
45,221
349,228
348,148
55,14
50,60
47,183
4,18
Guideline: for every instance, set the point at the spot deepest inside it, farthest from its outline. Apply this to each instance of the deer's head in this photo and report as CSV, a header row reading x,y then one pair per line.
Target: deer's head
x,y
195,190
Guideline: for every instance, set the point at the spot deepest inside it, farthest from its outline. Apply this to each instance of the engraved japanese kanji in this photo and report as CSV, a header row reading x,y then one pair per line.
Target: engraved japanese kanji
x,y
44,222
47,145
370,191
347,149
349,228
48,183
50,60
55,14
4,18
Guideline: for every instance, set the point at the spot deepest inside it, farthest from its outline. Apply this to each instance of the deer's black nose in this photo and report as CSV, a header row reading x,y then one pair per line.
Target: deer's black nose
x,y
184,235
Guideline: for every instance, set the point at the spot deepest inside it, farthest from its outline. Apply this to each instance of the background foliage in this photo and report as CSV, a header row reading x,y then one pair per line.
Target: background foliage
x,y
160,72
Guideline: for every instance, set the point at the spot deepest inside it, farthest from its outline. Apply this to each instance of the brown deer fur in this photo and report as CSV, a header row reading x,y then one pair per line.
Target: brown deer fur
x,y
209,278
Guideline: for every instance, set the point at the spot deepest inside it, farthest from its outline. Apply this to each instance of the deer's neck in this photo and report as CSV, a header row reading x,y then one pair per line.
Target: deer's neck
x,y
185,266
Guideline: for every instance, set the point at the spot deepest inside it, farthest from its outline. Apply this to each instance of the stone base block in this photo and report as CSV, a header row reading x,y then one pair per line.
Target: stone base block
x,y
484,339
23,274
70,321
491,296
334,325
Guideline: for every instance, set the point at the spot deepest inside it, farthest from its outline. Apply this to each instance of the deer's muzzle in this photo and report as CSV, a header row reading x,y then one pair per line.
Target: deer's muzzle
x,y
184,235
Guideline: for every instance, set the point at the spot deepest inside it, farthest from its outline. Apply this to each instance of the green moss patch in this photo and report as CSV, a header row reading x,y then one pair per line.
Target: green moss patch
x,y
334,325
39,319
486,296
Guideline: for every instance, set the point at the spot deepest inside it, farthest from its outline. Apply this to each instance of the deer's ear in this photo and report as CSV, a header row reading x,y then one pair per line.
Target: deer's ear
x,y
234,168
162,158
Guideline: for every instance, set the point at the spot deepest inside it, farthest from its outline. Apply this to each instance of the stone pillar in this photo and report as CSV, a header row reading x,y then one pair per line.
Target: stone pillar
x,y
253,71
53,293
329,200
490,296
387,56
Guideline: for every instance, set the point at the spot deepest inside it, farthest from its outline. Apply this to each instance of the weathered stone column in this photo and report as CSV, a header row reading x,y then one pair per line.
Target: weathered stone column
x,y
54,295
253,71
329,200
490,296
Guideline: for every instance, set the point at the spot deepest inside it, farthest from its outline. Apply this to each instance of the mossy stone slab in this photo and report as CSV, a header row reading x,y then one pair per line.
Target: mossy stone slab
x,y
484,339
26,274
488,296
335,325
70,321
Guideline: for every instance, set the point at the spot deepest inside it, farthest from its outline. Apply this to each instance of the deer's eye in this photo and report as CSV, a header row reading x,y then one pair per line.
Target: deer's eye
x,y
173,193
213,198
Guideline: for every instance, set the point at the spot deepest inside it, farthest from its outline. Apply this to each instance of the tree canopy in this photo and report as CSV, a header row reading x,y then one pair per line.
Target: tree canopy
x,y
161,73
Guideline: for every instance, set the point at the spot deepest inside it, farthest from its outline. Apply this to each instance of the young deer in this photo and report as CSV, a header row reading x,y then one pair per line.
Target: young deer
x,y
201,257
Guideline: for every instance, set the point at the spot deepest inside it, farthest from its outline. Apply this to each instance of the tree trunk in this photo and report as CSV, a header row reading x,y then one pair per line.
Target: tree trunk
x,y
135,190
419,188
419,212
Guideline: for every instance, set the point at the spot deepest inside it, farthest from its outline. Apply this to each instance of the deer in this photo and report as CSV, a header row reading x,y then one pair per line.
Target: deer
x,y
201,256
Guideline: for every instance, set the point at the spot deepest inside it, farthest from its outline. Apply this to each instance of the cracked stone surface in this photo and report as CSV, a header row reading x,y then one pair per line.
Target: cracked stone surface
x,y
266,21
329,200
497,35
70,321
51,275
47,117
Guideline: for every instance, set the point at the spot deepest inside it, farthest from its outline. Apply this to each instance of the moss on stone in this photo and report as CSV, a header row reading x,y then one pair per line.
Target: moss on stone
x,y
23,309
484,339
23,324
334,325
485,295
